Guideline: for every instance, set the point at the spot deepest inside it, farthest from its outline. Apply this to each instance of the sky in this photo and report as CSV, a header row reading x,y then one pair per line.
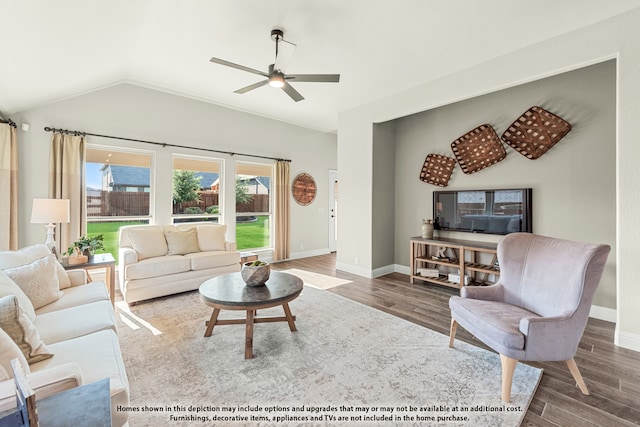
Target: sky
x,y
94,176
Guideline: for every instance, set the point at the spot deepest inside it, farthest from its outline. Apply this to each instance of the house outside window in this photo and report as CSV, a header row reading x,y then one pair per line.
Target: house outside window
x,y
196,189
253,205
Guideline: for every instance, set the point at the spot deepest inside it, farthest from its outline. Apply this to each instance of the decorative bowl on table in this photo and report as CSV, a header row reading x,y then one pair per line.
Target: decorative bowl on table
x,y
255,273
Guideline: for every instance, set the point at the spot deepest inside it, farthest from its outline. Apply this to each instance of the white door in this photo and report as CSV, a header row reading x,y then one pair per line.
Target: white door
x,y
333,210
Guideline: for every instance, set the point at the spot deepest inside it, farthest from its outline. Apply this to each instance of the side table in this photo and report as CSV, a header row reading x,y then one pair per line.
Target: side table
x,y
248,256
98,261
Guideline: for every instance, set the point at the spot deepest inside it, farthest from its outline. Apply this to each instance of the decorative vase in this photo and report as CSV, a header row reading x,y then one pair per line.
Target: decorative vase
x,y
427,229
255,275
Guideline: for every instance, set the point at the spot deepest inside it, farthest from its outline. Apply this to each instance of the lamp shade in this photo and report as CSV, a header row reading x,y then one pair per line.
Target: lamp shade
x,y
48,211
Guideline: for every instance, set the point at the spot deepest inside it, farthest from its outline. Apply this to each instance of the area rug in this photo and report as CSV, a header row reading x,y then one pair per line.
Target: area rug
x,y
347,365
317,280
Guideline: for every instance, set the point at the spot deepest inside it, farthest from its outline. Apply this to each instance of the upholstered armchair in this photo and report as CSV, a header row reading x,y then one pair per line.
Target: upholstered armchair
x,y
538,309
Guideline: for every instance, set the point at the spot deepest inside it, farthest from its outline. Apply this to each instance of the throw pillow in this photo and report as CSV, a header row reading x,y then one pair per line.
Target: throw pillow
x,y
38,280
9,350
28,254
148,242
9,287
22,331
181,242
211,237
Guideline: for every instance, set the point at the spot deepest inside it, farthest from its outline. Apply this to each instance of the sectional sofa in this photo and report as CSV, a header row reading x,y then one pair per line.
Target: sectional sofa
x,y
60,327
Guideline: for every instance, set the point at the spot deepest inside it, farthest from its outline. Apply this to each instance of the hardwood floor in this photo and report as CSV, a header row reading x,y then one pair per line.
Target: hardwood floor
x,y
611,373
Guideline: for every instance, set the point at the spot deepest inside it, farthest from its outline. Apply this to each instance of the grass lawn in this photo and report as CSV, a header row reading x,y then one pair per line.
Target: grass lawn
x,y
253,235
248,235
110,232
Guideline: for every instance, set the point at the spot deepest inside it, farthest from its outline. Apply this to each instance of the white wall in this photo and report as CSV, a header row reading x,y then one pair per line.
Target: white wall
x,y
613,38
574,183
139,113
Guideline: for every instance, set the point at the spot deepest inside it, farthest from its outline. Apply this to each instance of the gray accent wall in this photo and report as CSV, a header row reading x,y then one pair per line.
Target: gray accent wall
x,y
574,183
384,205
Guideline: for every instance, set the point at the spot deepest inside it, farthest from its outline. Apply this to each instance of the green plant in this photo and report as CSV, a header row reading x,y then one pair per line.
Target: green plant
x,y
185,187
242,187
193,210
89,244
212,209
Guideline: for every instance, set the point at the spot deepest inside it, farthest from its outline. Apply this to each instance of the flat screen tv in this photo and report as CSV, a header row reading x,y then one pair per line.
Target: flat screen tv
x,y
483,211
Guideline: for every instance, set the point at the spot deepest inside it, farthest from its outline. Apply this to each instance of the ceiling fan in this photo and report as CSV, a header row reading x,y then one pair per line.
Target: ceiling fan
x,y
276,77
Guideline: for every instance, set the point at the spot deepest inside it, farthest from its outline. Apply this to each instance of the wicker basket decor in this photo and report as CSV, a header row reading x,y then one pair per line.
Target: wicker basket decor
x,y
437,169
535,132
478,149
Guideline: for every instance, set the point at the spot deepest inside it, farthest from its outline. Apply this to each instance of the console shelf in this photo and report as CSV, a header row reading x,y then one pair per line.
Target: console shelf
x,y
462,258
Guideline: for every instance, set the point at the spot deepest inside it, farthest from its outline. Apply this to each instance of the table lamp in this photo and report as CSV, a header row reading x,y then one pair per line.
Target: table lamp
x,y
50,212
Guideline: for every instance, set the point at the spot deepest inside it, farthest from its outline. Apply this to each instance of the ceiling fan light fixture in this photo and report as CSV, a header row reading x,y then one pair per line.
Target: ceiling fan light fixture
x,y
276,81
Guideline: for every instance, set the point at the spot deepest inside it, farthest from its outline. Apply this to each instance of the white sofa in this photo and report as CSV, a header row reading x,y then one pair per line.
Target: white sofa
x,y
78,327
160,260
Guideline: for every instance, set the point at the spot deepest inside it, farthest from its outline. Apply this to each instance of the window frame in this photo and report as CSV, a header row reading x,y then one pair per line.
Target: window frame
x,y
269,214
149,218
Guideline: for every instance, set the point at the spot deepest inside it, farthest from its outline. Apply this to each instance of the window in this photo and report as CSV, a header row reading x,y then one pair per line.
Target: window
x,y
118,185
253,205
196,189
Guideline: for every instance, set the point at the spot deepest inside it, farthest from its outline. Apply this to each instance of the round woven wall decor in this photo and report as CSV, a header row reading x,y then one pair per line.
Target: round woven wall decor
x,y
304,189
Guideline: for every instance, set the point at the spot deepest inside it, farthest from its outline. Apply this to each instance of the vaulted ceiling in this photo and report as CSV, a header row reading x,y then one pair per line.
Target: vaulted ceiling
x,y
53,50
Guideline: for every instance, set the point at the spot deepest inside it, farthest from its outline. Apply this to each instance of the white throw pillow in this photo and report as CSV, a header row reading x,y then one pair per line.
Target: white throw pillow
x,y
148,242
9,350
22,331
9,287
38,280
28,254
181,242
212,237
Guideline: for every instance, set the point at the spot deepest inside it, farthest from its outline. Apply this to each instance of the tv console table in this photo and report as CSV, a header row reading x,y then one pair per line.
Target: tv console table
x,y
461,257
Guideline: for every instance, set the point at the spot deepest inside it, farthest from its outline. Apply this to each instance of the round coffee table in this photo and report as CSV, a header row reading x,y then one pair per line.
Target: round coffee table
x,y
229,292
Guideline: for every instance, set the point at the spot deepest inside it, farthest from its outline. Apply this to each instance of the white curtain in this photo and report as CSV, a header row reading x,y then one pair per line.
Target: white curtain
x,y
282,208
8,187
67,181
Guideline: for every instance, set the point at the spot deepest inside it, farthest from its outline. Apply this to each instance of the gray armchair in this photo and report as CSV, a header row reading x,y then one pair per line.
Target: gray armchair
x,y
539,308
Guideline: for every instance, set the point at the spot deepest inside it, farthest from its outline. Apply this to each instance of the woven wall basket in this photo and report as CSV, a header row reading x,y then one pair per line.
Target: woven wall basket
x,y
535,132
478,149
437,170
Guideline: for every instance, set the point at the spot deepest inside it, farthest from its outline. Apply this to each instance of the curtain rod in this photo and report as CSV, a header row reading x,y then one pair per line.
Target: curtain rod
x,y
9,122
162,144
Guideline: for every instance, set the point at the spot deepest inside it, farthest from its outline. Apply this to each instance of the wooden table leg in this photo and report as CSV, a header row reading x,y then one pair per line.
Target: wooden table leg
x,y
290,319
212,322
111,281
248,343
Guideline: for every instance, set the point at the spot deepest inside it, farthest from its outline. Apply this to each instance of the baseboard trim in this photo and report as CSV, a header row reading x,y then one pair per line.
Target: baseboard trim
x,y
354,269
603,313
402,269
307,254
381,271
627,340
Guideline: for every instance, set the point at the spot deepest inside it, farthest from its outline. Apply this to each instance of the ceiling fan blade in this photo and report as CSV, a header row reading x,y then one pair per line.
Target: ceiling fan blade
x,y
239,67
321,78
251,87
284,54
294,94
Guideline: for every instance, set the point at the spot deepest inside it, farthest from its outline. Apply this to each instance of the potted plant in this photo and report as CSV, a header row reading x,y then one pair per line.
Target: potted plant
x,y
87,245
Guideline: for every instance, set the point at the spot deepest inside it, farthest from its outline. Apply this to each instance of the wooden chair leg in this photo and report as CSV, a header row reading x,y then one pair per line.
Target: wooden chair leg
x,y
571,363
452,332
508,368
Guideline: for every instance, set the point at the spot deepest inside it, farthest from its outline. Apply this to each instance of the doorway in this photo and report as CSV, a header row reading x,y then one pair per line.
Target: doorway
x,y
333,210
